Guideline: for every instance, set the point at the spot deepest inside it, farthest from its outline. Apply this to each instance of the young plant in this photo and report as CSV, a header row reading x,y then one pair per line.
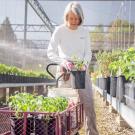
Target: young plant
x,y
53,104
115,63
25,102
3,69
79,64
128,68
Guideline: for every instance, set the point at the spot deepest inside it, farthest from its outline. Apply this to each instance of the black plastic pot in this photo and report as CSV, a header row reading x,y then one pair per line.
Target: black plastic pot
x,y
78,79
120,88
44,126
130,94
18,79
108,85
103,83
3,78
18,123
0,78
113,84
41,127
38,126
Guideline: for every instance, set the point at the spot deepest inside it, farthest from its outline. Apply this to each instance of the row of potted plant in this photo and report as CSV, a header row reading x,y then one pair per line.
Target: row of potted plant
x,y
12,74
116,72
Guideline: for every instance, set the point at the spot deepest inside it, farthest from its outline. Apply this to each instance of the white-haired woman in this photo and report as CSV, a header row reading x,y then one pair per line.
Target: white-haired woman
x,y
68,40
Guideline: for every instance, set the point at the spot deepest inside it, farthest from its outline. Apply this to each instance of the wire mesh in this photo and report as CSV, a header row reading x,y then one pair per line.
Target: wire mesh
x,y
37,123
4,123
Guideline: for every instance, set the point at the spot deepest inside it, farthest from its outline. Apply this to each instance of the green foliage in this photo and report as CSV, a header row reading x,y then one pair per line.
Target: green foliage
x,y
97,34
52,104
25,102
78,63
31,74
126,64
103,60
115,63
94,75
12,70
43,75
3,68
128,68
119,27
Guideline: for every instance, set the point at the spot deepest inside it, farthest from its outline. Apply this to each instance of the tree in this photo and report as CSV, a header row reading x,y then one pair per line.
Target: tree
x,y
97,35
119,25
6,32
121,31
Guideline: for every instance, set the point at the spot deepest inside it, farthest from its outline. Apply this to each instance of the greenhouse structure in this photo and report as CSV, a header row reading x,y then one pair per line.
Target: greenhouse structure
x,y
31,101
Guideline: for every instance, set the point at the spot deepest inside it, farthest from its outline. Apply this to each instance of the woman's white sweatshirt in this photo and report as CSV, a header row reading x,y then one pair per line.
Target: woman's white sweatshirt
x,y
66,43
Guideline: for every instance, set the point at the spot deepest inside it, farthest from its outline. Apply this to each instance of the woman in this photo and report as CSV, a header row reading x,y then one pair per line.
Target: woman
x,y
68,40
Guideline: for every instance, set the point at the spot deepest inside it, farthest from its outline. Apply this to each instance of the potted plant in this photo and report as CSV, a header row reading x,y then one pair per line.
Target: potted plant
x,y
103,61
113,68
78,74
126,71
12,74
3,73
129,73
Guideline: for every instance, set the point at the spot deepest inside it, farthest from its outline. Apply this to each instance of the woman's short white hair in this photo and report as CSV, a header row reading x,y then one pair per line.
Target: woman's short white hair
x,y
76,9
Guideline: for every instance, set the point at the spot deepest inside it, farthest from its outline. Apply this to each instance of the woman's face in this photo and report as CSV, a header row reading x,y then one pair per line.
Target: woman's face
x,y
73,20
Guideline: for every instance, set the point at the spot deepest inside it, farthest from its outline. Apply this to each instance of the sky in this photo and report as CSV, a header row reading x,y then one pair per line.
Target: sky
x,y
95,12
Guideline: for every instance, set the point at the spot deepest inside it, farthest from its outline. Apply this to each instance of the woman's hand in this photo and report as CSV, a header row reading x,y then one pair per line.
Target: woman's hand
x,y
68,65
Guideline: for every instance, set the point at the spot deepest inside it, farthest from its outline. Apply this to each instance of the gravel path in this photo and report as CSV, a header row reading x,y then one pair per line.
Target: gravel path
x,y
106,121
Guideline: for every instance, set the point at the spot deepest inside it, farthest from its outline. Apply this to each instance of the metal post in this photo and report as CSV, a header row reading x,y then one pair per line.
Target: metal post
x,y
25,22
7,95
134,37
25,32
